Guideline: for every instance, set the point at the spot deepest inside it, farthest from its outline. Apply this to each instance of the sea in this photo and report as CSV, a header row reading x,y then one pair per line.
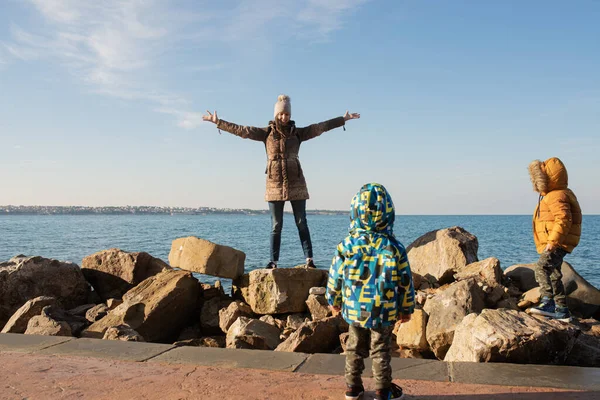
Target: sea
x,y
73,237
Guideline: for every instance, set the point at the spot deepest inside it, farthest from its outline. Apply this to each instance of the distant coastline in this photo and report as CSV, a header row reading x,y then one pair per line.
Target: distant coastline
x,y
141,210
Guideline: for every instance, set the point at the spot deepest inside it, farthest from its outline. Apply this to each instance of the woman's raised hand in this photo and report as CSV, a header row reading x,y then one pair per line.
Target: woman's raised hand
x,y
213,117
348,116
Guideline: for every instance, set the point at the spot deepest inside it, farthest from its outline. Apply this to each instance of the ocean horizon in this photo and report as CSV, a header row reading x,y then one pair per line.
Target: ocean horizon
x,y
507,237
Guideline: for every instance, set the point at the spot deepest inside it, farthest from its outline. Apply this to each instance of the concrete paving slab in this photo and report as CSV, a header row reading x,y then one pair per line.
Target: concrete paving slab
x,y
17,342
233,358
402,368
116,349
526,375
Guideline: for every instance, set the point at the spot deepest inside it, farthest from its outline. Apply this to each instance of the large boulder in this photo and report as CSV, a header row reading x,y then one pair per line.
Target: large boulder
x,y
248,333
158,308
487,271
511,336
585,352
583,299
446,311
18,322
24,278
113,272
227,316
413,334
442,252
199,255
279,291
314,337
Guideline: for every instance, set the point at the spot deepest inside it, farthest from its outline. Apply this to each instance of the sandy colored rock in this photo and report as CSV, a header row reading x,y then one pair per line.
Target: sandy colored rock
x,y
583,299
295,321
81,310
199,255
511,336
158,308
113,303
24,278
313,337
412,334
446,311
44,325
318,290
269,319
318,307
236,309
442,252
585,352
19,320
208,341
487,271
97,312
529,298
113,272
279,291
124,333
249,333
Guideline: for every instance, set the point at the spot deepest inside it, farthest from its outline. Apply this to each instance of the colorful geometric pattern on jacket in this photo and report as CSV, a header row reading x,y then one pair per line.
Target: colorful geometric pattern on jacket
x,y
370,276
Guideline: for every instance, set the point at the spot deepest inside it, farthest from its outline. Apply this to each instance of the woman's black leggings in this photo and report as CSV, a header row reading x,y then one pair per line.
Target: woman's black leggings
x,y
299,208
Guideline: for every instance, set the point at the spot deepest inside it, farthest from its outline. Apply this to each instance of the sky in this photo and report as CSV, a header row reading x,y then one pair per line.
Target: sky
x,y
101,103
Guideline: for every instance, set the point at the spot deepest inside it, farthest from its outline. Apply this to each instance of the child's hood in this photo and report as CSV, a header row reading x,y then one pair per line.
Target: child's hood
x,y
548,175
372,209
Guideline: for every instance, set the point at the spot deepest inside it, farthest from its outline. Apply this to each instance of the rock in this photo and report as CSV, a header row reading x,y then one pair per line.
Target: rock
x,y
442,252
447,309
209,316
189,333
279,291
583,299
511,336
318,290
420,298
44,325
417,280
81,310
24,278
313,337
96,313
113,303
158,308
18,322
76,323
407,353
585,352
199,255
236,309
318,307
248,333
295,321
509,304
412,334
124,333
209,341
210,291
487,271
113,272
269,319
529,298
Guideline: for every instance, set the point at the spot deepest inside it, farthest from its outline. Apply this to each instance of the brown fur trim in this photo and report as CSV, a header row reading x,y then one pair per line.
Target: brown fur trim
x,y
538,177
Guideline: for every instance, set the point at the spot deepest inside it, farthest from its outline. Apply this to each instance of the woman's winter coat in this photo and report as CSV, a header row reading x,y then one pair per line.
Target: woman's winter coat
x,y
285,179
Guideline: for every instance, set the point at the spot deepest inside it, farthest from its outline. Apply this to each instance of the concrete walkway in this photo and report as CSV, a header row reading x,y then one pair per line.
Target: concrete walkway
x,y
46,367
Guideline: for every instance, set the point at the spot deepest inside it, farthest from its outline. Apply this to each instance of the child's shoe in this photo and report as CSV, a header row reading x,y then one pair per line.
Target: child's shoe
x,y
562,314
545,308
394,392
354,392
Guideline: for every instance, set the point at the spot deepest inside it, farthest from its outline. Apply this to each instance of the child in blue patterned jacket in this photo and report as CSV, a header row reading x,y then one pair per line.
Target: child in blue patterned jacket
x,y
371,283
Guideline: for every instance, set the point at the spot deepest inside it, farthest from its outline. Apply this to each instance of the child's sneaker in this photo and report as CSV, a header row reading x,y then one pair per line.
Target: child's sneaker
x,y
545,308
562,314
354,392
394,392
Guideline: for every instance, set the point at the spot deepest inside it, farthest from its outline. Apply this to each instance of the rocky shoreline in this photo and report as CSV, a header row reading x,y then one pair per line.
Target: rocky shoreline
x,y
468,310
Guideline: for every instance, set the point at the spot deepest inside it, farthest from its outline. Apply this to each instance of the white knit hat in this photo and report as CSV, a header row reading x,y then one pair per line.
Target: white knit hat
x,y
283,105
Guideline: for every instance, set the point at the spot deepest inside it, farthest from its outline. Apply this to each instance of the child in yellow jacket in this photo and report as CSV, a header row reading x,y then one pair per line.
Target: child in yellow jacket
x,y
556,232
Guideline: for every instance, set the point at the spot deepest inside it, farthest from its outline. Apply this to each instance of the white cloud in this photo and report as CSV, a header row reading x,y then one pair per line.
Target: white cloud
x,y
113,45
